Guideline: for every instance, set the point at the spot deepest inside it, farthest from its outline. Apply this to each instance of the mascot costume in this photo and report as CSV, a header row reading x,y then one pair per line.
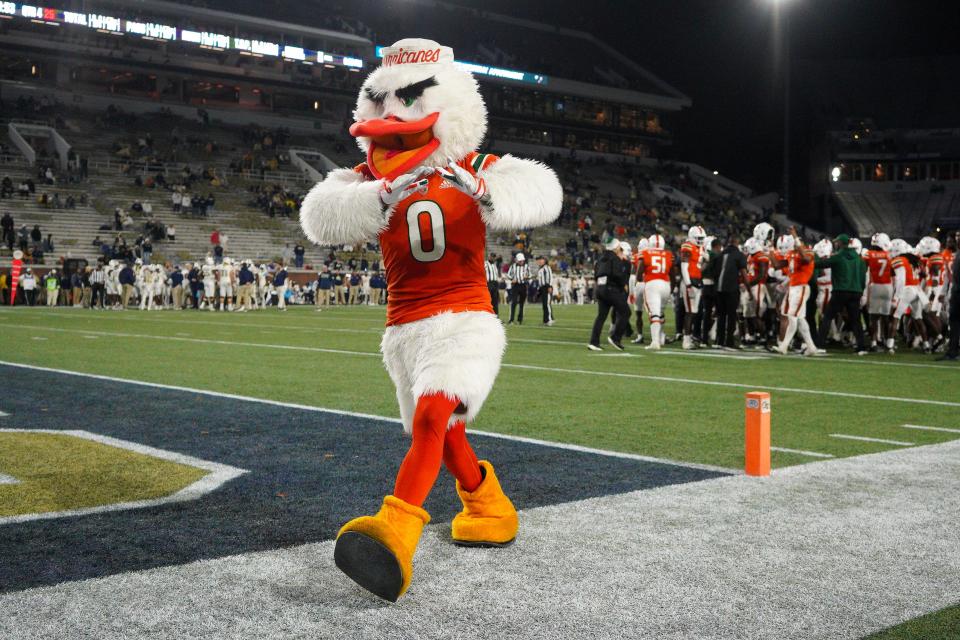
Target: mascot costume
x,y
429,198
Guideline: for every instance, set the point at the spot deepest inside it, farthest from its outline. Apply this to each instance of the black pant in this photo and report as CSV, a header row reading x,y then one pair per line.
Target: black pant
x,y
708,311
610,298
494,288
518,296
843,300
545,293
727,302
97,298
953,346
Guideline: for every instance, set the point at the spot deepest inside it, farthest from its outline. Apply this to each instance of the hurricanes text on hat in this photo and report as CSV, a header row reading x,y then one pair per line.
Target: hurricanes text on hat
x,y
419,51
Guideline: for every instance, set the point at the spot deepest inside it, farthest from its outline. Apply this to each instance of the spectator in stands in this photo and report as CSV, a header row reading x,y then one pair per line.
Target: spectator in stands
x,y
48,244
298,253
6,187
176,198
146,249
147,208
215,237
225,241
171,233
24,189
6,226
136,206
117,220
36,235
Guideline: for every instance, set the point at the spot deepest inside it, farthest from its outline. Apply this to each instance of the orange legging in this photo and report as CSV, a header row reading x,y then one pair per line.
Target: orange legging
x,y
433,442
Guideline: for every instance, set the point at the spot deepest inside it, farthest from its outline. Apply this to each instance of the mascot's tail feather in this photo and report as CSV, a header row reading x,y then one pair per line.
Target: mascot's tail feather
x,y
524,193
343,209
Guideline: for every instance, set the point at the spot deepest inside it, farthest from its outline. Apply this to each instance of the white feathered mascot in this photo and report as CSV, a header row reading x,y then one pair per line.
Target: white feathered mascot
x,y
429,198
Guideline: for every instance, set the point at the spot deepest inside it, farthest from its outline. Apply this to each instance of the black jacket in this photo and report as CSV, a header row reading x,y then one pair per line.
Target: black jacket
x,y
616,271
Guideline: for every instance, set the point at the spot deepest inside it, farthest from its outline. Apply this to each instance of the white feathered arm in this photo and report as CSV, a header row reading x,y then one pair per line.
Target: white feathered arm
x,y
523,194
344,208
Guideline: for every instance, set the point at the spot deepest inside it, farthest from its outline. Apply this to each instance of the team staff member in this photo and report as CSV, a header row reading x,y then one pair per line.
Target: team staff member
x,y
612,274
280,285
545,280
127,279
245,281
848,275
709,302
519,277
493,281
733,271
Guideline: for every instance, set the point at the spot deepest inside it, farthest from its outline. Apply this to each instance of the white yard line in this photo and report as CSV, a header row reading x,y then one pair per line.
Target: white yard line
x,y
925,428
5,479
218,476
812,454
846,436
366,416
632,376
3,415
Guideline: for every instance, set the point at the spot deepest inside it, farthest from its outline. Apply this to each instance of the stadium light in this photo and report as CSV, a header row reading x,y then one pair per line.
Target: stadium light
x,y
835,174
716,173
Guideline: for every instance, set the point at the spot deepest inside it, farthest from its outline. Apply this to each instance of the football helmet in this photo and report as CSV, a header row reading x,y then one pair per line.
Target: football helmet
x,y
697,235
898,247
856,245
655,242
642,244
626,247
823,249
928,245
786,244
763,233
881,240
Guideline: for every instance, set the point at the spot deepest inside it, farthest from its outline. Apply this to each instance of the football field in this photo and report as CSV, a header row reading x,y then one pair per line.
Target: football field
x,y
227,448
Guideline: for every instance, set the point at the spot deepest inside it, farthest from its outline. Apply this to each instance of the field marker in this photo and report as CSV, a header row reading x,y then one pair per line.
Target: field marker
x,y
923,428
530,367
812,454
366,416
757,434
5,479
866,439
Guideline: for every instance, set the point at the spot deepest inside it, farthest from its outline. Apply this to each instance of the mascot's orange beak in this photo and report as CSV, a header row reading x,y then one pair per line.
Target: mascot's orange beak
x,y
396,145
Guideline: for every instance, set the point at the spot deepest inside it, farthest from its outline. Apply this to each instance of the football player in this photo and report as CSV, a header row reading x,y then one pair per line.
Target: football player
x,y
754,298
654,267
209,285
906,289
824,249
879,291
933,268
226,276
798,262
637,286
692,257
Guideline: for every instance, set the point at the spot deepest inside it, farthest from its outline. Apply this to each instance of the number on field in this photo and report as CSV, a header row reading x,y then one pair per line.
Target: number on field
x,y
426,231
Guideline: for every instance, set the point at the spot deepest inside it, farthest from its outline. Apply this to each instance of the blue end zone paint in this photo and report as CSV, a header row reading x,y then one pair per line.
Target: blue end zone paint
x,y
328,468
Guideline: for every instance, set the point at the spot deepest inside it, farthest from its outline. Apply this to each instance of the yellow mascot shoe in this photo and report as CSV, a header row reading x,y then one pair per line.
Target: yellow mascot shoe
x,y
488,518
377,551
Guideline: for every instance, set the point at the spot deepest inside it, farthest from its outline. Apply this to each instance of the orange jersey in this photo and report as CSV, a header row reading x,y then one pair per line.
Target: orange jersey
x,y
692,252
947,271
910,277
754,262
433,251
878,262
933,264
657,264
800,273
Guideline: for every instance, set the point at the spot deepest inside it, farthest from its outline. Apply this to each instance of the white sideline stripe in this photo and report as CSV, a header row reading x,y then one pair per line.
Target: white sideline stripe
x,y
632,376
866,439
925,428
366,416
3,415
5,479
726,356
812,454
219,475
612,454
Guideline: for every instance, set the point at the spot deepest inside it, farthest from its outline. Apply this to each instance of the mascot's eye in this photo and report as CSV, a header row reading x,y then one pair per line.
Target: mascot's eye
x,y
408,102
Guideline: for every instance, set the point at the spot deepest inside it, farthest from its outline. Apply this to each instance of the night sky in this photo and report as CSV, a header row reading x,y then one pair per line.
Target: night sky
x,y
721,54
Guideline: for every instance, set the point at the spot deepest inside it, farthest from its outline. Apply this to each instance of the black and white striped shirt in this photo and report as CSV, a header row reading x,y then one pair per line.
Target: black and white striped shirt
x,y
97,276
518,273
545,276
493,271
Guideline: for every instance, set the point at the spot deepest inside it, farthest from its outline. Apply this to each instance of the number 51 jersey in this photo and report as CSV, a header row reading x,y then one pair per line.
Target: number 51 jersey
x,y
433,250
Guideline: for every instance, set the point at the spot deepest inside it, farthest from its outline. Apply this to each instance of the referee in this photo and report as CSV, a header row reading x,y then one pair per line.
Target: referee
x,y
545,280
518,275
493,281
98,284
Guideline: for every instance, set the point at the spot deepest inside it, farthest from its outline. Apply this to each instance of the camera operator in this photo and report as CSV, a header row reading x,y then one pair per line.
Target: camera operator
x,y
612,274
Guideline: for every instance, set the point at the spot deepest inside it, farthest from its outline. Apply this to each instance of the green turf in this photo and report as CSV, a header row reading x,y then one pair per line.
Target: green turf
x,y
62,472
942,625
550,388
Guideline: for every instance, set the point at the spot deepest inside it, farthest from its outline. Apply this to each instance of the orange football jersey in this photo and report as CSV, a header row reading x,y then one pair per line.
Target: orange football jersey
x,y
433,250
879,264
800,273
692,252
934,269
657,264
910,278
947,272
754,261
